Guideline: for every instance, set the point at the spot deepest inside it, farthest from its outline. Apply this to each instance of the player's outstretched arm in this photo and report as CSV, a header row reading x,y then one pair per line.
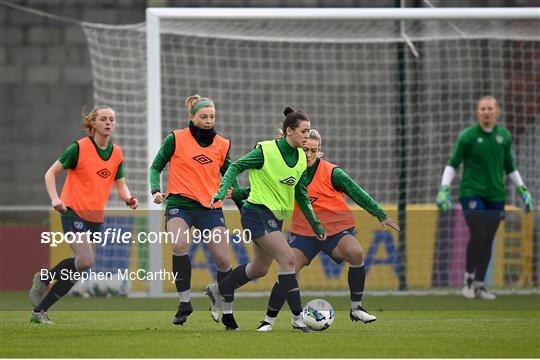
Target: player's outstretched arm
x,y
50,183
341,181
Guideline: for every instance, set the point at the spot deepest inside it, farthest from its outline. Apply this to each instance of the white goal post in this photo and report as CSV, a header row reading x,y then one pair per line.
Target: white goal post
x,y
155,16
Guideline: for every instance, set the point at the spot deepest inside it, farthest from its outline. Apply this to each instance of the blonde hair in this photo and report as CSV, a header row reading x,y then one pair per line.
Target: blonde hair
x,y
314,135
489,97
193,100
89,119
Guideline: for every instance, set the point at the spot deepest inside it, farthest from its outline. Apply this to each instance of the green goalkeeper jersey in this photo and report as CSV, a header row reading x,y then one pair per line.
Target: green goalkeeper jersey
x,y
486,156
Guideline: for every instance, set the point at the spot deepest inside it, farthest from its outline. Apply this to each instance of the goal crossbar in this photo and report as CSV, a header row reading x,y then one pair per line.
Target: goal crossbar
x,y
518,13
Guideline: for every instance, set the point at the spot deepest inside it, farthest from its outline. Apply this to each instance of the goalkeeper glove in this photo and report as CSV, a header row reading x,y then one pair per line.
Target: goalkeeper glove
x,y
526,197
444,200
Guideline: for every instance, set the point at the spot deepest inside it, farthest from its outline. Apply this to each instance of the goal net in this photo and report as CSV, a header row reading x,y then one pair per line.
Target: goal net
x,y
389,99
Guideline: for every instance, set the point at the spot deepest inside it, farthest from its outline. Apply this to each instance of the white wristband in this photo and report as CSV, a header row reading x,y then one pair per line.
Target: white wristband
x,y
448,175
516,178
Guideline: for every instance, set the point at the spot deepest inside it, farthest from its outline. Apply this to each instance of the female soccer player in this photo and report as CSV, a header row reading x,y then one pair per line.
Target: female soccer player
x,y
277,175
486,152
93,164
326,189
197,156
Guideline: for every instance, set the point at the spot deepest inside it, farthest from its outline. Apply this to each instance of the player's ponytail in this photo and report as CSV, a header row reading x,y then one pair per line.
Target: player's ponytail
x,y
287,110
195,102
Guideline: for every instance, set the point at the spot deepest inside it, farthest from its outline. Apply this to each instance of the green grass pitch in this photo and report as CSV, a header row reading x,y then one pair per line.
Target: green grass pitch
x,y
407,326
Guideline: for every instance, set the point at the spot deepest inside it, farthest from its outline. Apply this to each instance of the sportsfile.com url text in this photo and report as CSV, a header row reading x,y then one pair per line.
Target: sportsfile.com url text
x,y
119,236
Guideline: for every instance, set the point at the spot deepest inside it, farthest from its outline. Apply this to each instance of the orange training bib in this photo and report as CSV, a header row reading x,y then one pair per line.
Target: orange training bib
x,y
328,204
194,171
88,186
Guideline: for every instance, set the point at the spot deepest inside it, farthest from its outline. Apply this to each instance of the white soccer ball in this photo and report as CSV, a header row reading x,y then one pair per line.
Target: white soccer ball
x,y
318,315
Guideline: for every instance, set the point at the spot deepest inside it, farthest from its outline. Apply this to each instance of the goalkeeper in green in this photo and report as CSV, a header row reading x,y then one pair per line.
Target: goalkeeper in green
x,y
485,149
